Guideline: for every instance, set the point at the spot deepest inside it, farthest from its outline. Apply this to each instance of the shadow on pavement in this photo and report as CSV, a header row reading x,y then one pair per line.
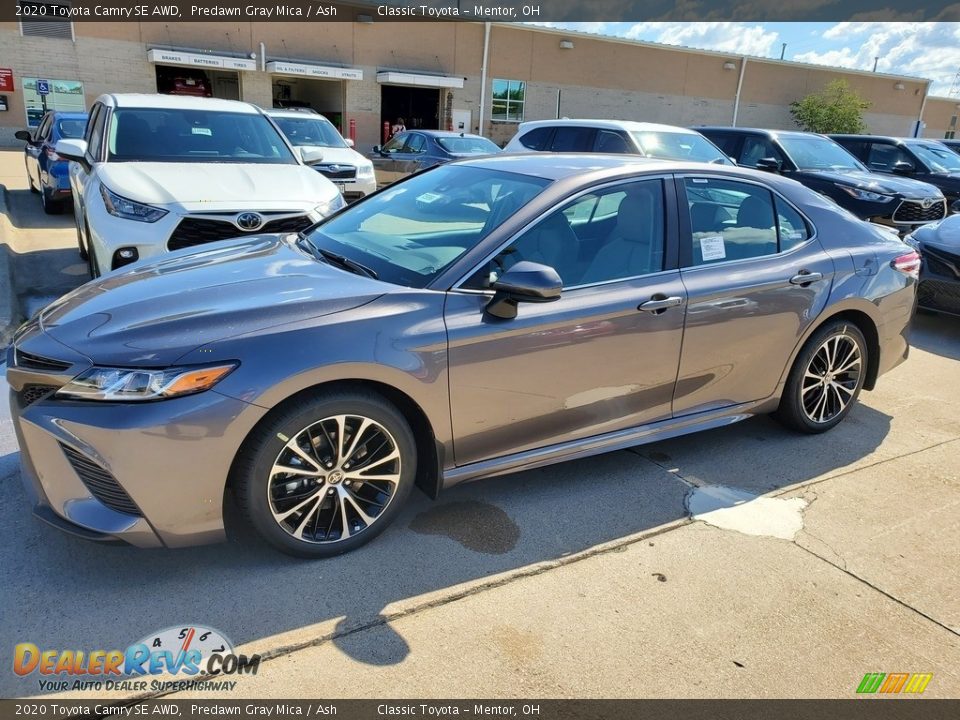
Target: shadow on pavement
x,y
26,213
64,592
936,333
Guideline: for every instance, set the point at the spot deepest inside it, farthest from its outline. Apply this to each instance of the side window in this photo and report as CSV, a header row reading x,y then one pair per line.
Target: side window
x,y
91,121
610,141
416,144
396,143
883,156
572,139
729,220
537,138
727,143
792,229
624,244
95,131
757,148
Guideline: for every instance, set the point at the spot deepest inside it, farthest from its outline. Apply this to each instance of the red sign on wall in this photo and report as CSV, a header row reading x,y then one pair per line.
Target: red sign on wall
x,y
6,80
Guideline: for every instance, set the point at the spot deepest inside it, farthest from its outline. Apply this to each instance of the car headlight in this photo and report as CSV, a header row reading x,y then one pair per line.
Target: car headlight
x,y
130,385
865,194
331,206
119,206
365,171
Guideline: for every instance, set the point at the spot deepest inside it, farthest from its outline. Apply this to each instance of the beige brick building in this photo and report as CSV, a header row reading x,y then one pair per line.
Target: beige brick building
x,y
434,75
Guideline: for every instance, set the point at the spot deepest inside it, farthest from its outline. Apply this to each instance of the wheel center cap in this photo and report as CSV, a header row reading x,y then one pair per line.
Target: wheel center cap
x,y
335,477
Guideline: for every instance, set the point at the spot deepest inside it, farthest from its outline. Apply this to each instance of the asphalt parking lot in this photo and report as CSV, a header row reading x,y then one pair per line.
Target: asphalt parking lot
x,y
741,562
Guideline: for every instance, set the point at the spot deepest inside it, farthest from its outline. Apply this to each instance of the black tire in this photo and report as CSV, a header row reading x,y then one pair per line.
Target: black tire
x,y
50,206
91,258
812,405
256,485
80,246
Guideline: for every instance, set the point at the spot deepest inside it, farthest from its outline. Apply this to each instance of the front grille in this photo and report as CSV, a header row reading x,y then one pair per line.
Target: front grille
x,y
939,295
101,484
31,393
199,231
941,263
912,211
30,361
334,171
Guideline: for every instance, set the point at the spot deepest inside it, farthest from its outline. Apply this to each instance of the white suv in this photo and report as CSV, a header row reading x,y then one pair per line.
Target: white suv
x,y
339,162
162,172
616,137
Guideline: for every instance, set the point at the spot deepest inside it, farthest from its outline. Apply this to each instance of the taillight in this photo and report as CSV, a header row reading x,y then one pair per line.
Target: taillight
x,y
908,263
52,155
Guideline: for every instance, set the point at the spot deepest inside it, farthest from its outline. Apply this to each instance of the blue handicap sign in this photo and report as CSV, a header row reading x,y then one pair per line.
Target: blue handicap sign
x,y
43,87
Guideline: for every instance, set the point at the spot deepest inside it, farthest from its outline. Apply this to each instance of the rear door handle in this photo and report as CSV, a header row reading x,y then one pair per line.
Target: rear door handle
x,y
804,277
659,303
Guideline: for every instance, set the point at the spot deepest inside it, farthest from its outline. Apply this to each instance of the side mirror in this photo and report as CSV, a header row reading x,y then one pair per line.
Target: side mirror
x,y
23,135
75,150
376,149
524,282
903,168
349,142
768,164
310,155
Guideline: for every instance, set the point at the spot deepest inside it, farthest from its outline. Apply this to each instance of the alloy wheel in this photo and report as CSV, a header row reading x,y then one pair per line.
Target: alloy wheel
x,y
831,379
334,479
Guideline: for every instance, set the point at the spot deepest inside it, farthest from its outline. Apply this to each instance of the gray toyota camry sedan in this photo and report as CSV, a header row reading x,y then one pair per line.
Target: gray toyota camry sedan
x,y
477,319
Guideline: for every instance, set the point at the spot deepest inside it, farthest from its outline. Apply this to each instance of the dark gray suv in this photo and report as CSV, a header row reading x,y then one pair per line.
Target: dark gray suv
x,y
476,319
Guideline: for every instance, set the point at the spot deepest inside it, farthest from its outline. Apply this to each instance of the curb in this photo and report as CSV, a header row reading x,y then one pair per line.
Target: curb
x,y
10,313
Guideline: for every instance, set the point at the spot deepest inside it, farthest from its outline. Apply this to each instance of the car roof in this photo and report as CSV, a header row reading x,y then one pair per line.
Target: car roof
x,y
446,133
886,138
63,115
755,131
176,102
629,125
288,113
557,166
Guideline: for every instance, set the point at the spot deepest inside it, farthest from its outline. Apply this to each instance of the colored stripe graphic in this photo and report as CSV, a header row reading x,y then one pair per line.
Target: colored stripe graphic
x,y
894,683
871,682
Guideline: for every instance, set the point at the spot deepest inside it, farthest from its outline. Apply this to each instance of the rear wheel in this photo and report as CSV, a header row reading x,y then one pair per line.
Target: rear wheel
x,y
50,206
826,378
326,474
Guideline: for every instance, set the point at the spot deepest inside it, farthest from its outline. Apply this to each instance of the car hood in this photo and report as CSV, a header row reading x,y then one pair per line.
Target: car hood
x,y
875,182
943,235
239,185
156,311
344,156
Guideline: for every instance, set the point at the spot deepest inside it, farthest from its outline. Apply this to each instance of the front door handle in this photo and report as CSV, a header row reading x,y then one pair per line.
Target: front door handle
x,y
659,303
805,277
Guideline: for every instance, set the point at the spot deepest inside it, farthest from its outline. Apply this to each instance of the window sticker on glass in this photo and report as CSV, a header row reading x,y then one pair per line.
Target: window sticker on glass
x,y
201,131
712,248
429,197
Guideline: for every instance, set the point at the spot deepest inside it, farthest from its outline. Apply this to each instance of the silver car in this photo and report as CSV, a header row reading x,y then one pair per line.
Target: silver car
x,y
477,319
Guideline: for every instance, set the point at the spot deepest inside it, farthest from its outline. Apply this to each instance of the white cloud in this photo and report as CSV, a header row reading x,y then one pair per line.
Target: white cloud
x,y
929,50
734,37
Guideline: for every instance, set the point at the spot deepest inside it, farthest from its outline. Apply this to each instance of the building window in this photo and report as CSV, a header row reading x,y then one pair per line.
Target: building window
x,y
42,19
952,132
508,100
66,95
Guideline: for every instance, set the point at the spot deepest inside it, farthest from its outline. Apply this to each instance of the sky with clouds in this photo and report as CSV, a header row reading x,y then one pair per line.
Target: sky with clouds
x,y
928,50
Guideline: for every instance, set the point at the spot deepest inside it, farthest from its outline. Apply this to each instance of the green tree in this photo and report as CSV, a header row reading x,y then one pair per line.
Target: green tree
x,y
835,109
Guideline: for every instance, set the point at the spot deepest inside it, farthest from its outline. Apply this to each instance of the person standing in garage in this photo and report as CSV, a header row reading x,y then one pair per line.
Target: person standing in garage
x,y
398,127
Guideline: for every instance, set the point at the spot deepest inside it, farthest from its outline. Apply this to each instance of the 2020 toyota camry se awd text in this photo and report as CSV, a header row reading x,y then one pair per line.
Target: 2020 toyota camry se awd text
x,y
479,318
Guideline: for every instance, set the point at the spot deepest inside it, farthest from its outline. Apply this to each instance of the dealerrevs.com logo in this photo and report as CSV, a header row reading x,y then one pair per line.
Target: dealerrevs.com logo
x,y
190,657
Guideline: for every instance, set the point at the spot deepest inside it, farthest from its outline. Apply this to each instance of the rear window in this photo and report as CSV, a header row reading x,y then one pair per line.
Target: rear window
x,y
467,145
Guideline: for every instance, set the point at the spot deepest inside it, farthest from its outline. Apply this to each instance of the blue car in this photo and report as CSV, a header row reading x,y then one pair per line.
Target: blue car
x,y
47,173
415,150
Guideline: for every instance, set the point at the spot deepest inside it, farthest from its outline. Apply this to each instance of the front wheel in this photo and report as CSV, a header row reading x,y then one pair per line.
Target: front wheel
x,y
326,474
826,378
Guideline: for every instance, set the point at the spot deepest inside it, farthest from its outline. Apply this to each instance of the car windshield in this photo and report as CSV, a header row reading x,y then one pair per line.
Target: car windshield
x,y
71,128
176,135
309,131
938,158
467,145
810,152
679,146
410,233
